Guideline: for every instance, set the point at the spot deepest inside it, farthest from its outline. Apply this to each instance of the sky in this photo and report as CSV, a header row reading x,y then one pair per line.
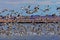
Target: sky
x,y
17,4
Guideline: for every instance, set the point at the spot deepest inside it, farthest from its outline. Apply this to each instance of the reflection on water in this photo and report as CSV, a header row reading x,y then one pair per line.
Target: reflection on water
x,y
55,37
28,31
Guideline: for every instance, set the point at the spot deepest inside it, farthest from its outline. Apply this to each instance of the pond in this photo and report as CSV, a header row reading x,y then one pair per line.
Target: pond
x,y
29,31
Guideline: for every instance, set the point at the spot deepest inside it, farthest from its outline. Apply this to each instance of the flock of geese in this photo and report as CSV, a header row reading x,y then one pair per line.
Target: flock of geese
x,y
29,11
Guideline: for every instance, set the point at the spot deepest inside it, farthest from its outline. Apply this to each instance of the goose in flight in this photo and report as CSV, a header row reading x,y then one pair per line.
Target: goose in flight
x,y
58,8
46,9
36,9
